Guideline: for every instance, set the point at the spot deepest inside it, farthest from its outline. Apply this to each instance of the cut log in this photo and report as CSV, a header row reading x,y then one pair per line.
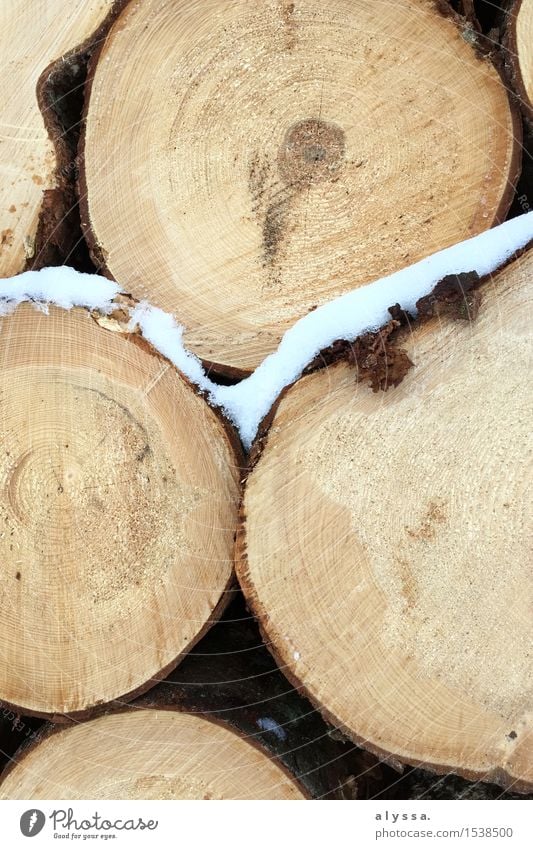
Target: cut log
x,y
519,43
118,506
384,544
230,676
268,157
34,37
147,754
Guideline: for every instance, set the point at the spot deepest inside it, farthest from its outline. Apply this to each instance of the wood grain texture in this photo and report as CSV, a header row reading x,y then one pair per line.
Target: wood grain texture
x,y
118,497
149,754
231,677
385,545
519,44
34,36
243,163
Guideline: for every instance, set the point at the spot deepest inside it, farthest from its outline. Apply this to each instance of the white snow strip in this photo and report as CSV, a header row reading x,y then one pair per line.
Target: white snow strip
x,y
161,329
346,317
363,309
61,286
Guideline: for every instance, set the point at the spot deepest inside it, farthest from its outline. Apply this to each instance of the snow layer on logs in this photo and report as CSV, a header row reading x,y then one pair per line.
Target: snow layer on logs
x,y
346,317
61,286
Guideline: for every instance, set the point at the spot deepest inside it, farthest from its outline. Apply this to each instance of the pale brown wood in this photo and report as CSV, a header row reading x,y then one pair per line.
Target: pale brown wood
x,y
229,676
519,42
148,754
34,34
118,498
385,544
267,157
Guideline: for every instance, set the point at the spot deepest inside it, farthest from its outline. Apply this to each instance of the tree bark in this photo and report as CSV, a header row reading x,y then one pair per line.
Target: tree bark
x,y
230,677
303,163
519,53
35,191
425,785
467,10
157,753
383,540
120,488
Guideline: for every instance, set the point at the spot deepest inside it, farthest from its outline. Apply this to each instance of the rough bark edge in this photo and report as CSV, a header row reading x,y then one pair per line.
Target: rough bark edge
x,y
53,239
481,47
225,375
218,371
498,775
247,687
484,41
461,11
456,296
97,709
488,50
342,784
487,30
245,690
236,450
512,65
467,10
51,730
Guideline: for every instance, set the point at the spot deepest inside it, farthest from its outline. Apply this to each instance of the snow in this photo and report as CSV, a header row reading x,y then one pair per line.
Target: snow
x,y
267,724
161,329
350,315
62,286
346,317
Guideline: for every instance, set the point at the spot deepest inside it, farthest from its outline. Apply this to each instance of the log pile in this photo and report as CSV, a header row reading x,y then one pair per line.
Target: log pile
x,y
237,166
230,678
